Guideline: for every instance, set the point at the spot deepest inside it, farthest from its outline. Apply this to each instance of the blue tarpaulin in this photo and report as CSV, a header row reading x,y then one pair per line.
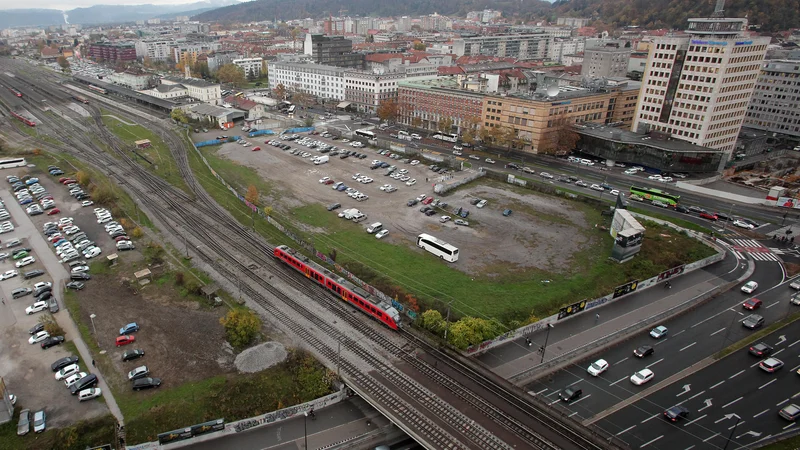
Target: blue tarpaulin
x,y
299,130
216,141
260,133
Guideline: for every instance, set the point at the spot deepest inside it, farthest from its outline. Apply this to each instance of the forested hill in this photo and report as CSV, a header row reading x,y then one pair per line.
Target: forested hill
x,y
771,15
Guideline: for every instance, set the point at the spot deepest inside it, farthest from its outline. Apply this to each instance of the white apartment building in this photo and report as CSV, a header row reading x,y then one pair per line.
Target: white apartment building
x,y
519,46
316,79
775,105
156,50
366,90
561,47
697,86
608,62
251,66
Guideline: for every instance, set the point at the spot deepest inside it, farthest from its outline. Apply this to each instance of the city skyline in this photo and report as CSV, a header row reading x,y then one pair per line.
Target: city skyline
x,y
72,4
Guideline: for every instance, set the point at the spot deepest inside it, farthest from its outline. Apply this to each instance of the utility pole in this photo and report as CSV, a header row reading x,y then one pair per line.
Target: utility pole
x,y
447,321
338,357
546,338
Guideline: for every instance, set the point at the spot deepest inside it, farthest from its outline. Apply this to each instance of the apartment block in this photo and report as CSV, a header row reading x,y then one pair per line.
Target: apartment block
x,y
425,101
519,46
697,86
316,79
607,61
251,66
775,105
577,22
367,90
107,51
156,50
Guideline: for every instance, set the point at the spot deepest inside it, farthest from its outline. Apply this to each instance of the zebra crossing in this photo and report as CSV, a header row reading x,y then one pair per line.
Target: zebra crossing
x,y
755,249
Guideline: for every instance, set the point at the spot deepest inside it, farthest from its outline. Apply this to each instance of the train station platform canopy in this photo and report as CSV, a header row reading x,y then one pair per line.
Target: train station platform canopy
x,y
119,91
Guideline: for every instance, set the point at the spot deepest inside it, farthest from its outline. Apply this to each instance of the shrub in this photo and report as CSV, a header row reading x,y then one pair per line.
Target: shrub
x,y
241,327
179,278
51,326
137,232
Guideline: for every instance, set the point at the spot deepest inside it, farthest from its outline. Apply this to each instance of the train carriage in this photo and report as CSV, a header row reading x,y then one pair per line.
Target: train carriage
x,y
382,311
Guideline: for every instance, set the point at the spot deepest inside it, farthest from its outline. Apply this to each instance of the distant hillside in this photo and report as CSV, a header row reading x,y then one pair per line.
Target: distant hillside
x,y
772,15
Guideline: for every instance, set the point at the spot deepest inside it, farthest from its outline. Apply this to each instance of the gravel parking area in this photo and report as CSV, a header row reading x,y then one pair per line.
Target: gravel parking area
x,y
543,232
26,368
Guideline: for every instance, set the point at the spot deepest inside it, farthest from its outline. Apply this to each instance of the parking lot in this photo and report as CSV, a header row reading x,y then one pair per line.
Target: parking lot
x,y
26,367
541,232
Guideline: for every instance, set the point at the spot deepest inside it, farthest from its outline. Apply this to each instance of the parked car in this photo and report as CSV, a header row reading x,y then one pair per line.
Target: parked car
x,y
146,383
129,328
39,421
51,342
139,372
24,423
64,362
124,340
130,355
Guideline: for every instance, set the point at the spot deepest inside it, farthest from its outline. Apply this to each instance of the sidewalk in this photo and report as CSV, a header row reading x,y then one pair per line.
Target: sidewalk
x,y
515,357
60,276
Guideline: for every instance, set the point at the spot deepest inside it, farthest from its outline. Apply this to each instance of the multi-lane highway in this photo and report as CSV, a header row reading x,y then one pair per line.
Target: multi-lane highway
x,y
691,338
733,398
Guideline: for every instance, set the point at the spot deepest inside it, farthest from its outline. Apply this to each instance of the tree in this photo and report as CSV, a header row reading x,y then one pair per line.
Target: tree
x,y
308,121
416,122
388,110
419,46
509,137
467,137
200,69
485,134
445,125
62,62
179,115
51,326
230,73
293,33
280,91
252,194
560,139
470,331
302,99
83,178
241,326
432,320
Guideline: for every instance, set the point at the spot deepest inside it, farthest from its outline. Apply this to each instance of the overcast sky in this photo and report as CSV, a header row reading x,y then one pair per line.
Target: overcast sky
x,y
71,4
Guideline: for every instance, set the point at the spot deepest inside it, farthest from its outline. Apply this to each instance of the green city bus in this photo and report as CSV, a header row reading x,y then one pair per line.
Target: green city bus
x,y
655,194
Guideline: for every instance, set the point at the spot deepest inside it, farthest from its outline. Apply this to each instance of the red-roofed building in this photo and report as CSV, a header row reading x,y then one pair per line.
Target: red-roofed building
x,y
50,54
451,70
254,110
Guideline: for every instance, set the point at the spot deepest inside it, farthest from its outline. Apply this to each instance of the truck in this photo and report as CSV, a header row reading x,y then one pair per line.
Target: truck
x,y
349,213
321,159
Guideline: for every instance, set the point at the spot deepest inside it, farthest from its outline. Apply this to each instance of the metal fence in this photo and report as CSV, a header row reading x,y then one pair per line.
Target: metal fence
x,y
216,141
260,133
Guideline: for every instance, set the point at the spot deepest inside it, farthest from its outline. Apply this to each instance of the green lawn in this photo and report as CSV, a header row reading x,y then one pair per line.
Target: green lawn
x,y
82,435
161,160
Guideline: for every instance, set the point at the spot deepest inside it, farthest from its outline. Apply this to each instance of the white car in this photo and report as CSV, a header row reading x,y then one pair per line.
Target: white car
x,y
458,152
385,186
91,252
414,162
8,274
750,287
641,377
42,284
381,234
323,180
102,220
659,332
490,161
411,182
36,307
631,172
596,187
481,204
87,203
598,367
70,380
88,394
545,175
458,147
742,224
82,269
38,337
357,176
71,369
444,219
25,261
654,177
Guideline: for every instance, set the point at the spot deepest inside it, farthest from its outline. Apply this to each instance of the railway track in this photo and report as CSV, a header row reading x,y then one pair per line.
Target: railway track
x,y
207,221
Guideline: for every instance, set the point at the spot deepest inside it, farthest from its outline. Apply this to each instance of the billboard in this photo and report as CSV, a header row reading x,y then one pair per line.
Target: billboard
x,y
571,309
627,244
623,220
627,288
671,273
788,202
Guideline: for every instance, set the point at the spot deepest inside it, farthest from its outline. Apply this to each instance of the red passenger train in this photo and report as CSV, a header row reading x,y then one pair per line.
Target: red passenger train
x,y
24,119
347,291
15,92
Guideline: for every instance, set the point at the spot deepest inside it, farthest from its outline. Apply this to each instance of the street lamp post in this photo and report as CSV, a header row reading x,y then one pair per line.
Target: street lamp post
x,y
730,211
546,338
738,419
447,320
92,316
305,430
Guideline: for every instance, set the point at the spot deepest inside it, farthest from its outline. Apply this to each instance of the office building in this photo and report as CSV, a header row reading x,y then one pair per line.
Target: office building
x,y
109,52
251,66
326,82
518,46
775,105
333,51
366,90
697,86
424,102
607,61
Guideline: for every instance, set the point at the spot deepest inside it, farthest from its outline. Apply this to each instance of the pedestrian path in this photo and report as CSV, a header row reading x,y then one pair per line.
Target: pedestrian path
x,y
755,249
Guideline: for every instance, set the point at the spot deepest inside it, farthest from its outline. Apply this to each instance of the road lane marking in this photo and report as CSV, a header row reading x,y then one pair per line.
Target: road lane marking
x,y
736,425
576,412
679,332
626,430
789,426
796,395
689,448
711,317
712,387
770,306
778,351
697,395
581,399
755,364
579,380
648,443
688,346
624,378
695,420
621,360
737,374
554,402
653,364
537,393
718,331
554,392
795,342
767,383
729,404
711,437
650,418
660,342
785,401
762,412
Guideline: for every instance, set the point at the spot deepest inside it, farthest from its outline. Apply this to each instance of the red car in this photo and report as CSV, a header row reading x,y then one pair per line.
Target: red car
x,y
328,182
61,180
752,304
55,238
125,340
53,212
255,149
427,201
121,238
68,181
708,216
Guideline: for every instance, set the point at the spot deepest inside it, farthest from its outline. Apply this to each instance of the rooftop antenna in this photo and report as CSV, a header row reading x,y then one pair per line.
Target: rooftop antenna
x,y
719,9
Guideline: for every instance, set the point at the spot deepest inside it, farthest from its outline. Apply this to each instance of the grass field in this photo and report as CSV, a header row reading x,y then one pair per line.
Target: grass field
x,y
82,435
158,153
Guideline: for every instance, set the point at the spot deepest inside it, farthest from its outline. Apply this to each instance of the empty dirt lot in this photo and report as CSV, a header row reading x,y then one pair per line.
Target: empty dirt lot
x,y
543,232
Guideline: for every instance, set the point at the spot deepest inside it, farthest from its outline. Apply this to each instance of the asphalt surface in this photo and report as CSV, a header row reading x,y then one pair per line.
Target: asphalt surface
x,y
732,389
691,338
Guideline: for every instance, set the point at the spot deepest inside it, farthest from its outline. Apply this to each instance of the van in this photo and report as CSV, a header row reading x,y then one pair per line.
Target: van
x,y
321,159
586,162
374,228
359,217
402,133
20,292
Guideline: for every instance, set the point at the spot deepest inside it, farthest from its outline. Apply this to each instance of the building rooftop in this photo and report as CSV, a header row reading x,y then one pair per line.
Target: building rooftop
x,y
190,81
211,110
628,137
309,65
